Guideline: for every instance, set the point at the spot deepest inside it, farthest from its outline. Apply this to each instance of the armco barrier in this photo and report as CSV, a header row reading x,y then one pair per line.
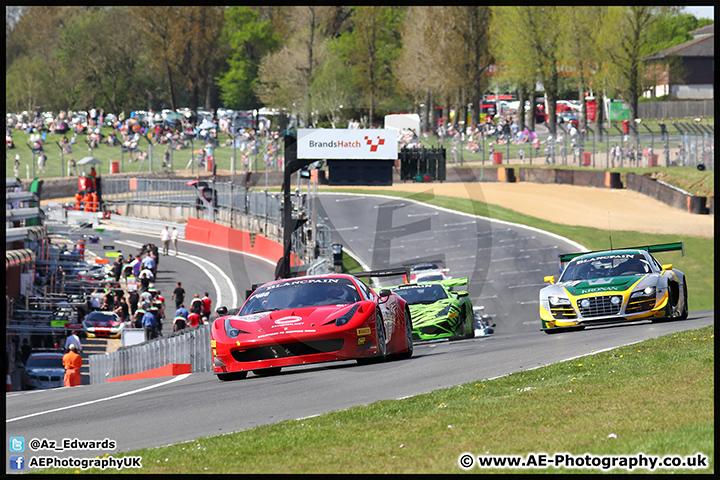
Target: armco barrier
x,y
667,194
191,345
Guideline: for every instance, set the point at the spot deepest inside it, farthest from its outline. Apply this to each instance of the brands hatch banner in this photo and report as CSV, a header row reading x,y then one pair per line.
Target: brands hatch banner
x,y
326,143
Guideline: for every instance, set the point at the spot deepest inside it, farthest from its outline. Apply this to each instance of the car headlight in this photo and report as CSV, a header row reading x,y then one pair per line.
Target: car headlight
x,y
339,322
556,301
645,292
231,331
443,312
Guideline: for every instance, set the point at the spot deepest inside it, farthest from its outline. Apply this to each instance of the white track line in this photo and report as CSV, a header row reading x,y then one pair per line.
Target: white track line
x,y
90,402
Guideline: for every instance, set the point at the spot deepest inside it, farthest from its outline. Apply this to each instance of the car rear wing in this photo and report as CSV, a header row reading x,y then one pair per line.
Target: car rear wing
x,y
453,282
660,247
389,272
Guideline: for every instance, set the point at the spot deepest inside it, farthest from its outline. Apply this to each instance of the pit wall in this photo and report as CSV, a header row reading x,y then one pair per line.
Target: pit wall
x,y
209,233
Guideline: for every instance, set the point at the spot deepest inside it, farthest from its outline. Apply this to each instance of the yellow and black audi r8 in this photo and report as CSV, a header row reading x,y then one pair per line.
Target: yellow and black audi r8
x,y
613,286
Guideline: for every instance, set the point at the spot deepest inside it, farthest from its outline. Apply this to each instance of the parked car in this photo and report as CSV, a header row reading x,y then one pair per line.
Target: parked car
x,y
45,370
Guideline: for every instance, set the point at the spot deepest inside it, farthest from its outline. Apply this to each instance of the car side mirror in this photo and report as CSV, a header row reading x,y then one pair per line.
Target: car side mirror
x,y
667,267
549,279
385,293
462,293
222,310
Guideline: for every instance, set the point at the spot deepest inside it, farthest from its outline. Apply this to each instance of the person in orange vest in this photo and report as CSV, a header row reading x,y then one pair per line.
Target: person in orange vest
x,y
93,201
72,363
87,200
78,200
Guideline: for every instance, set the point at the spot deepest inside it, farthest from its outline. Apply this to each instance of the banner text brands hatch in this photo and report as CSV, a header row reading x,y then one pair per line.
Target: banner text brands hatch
x,y
356,144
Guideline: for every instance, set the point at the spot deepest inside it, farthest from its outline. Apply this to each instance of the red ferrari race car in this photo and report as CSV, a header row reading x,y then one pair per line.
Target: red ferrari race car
x,y
310,319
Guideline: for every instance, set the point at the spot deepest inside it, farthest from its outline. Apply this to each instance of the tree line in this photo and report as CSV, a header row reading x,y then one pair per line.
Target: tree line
x,y
329,63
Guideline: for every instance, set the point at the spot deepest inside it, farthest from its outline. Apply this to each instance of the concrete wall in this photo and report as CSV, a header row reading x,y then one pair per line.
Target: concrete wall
x,y
584,178
666,194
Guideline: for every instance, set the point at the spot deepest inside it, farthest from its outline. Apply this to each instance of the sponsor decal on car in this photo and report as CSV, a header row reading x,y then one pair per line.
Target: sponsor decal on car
x,y
606,257
603,289
290,320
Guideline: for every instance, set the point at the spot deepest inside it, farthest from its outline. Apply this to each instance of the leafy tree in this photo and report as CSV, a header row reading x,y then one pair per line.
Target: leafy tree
x,y
371,48
412,59
331,88
440,72
285,77
249,39
531,37
161,34
27,83
580,48
514,59
109,72
625,36
472,27
673,29
200,27
34,36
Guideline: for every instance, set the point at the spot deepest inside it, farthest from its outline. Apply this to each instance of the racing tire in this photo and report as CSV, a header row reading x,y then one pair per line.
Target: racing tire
x,y
685,311
382,346
463,330
408,337
470,316
267,372
231,376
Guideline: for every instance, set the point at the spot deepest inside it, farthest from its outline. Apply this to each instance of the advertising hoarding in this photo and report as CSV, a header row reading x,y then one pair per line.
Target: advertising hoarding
x,y
351,144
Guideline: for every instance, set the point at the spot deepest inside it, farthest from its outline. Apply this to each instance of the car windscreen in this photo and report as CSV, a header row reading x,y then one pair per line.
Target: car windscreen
x,y
422,294
431,277
311,292
611,265
44,362
101,317
424,266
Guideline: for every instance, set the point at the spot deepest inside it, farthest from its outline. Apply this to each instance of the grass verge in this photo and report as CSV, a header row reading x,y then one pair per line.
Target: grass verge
x,y
655,397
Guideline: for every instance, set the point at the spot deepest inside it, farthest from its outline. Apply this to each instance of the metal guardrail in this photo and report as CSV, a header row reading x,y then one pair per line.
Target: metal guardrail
x,y
191,345
174,193
146,225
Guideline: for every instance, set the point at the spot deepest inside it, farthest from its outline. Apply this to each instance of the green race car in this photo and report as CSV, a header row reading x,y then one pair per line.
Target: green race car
x,y
437,311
